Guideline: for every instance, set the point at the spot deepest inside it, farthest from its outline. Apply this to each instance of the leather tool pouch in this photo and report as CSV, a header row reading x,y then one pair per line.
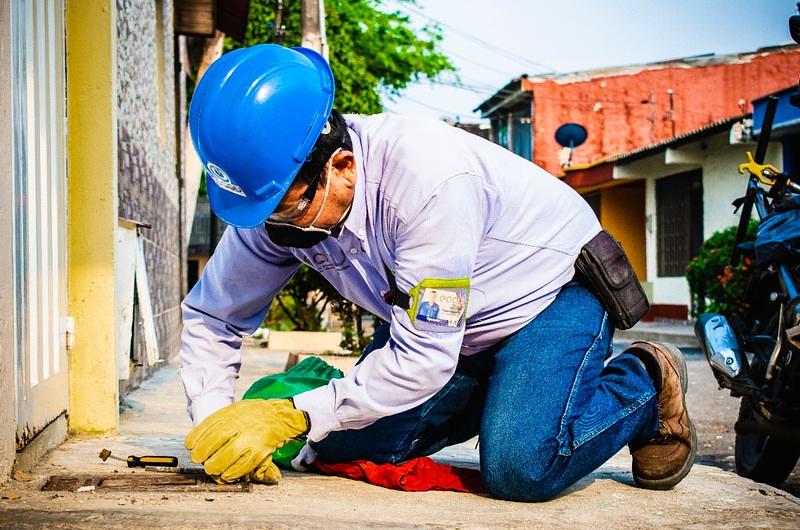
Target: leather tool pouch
x,y
603,263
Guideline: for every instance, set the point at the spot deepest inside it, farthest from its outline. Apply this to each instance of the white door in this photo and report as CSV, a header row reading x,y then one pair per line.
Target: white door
x,y
40,214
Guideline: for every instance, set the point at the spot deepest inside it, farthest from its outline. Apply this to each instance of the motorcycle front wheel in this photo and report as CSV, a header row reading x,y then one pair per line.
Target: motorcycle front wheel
x,y
761,457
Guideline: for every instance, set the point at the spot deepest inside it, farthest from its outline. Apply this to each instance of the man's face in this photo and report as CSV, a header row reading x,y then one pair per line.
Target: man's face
x,y
341,170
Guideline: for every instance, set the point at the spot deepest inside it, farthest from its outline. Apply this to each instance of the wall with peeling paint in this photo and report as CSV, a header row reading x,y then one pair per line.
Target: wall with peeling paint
x,y
614,105
7,361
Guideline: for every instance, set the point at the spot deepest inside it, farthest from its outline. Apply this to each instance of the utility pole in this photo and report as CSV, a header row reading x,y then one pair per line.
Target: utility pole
x,y
313,17
280,28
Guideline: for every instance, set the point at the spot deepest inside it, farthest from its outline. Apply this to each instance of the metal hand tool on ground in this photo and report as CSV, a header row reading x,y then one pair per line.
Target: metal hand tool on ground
x,y
141,461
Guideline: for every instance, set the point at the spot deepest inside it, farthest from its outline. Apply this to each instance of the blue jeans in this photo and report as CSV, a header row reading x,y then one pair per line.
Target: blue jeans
x,y
547,406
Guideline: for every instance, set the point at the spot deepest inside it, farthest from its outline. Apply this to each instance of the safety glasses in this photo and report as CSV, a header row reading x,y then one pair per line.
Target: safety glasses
x,y
284,218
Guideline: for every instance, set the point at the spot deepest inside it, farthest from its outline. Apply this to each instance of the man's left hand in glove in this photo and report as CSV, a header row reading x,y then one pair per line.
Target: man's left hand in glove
x,y
238,440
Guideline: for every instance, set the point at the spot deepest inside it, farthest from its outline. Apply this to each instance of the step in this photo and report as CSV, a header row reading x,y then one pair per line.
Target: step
x,y
680,333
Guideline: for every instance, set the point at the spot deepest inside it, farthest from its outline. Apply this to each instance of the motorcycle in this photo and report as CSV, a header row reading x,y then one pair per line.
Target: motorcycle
x,y
756,355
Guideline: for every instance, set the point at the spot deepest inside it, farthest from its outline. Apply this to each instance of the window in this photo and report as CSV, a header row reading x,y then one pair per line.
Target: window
x,y
521,132
511,124
500,131
679,221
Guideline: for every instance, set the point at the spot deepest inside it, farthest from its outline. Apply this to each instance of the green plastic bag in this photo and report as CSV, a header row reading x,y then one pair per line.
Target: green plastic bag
x,y
310,373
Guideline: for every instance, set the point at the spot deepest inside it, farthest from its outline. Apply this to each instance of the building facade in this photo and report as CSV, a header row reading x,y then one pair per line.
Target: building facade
x,y
91,120
628,107
679,193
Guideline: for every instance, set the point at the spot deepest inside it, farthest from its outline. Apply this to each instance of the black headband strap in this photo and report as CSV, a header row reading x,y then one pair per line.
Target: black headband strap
x,y
327,143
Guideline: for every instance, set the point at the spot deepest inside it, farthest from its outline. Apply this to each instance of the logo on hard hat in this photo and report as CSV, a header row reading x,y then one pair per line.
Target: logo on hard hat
x,y
222,179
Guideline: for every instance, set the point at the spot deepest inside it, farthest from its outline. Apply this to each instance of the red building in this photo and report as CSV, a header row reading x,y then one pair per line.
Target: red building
x,y
627,107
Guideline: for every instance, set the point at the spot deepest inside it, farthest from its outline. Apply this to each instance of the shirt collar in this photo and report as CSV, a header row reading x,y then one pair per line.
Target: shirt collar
x,y
356,221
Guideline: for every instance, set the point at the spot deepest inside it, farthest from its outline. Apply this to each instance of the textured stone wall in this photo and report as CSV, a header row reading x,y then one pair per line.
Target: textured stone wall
x,y
149,184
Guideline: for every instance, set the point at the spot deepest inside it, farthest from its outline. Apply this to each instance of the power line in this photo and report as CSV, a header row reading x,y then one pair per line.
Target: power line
x,y
476,63
471,88
451,115
483,91
441,110
492,47
476,89
617,105
432,107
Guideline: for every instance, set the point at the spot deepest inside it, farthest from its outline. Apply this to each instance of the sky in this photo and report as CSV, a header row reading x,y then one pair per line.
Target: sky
x,y
492,42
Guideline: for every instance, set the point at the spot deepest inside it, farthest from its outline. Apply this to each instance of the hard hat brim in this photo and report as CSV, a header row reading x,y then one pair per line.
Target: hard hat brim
x,y
238,211
255,116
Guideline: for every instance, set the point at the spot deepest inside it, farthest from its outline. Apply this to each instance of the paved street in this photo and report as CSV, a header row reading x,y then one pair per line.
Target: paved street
x,y
714,411
154,421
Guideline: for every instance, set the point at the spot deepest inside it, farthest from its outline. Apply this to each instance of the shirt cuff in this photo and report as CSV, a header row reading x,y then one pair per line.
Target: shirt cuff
x,y
318,404
206,405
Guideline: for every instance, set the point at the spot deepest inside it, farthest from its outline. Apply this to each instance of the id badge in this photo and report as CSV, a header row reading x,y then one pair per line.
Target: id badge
x,y
439,305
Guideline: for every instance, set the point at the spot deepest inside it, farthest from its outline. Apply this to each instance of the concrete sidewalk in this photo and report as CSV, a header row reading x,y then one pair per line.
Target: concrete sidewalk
x,y
154,422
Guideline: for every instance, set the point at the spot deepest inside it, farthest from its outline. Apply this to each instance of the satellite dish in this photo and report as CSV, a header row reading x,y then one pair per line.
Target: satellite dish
x,y
571,135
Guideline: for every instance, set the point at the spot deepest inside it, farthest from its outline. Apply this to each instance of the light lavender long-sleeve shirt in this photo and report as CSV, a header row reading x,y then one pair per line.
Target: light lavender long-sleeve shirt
x,y
439,207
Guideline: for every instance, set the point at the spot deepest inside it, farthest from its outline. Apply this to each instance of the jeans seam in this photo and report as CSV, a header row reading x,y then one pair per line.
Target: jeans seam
x,y
578,376
636,405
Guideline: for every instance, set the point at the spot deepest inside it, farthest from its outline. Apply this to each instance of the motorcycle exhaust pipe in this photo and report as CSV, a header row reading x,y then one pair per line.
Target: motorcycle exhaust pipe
x,y
720,345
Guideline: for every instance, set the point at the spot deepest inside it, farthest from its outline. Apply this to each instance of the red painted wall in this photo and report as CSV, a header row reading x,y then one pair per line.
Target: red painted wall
x,y
611,109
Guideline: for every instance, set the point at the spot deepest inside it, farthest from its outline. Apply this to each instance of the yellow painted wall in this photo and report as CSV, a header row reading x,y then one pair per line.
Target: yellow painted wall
x,y
92,211
622,214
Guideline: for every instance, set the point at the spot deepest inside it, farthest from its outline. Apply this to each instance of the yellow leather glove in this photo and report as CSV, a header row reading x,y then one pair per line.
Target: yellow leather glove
x,y
238,440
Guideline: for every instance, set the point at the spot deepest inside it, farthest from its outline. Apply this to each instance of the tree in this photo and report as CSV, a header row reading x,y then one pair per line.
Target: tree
x,y
716,284
303,301
372,52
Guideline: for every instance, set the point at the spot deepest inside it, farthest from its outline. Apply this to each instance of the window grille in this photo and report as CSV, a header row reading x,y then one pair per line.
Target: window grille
x,y
679,221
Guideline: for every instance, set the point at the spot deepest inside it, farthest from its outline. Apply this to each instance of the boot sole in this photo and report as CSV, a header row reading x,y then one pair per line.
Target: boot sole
x,y
671,481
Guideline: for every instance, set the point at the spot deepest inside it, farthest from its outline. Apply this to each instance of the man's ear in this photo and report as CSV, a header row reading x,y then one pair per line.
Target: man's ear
x,y
343,160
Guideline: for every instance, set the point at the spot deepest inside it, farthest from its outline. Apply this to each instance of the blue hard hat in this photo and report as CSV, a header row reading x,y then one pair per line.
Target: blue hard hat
x,y
255,116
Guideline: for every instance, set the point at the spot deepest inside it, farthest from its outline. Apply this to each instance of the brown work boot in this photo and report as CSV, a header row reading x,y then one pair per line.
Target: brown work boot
x,y
664,460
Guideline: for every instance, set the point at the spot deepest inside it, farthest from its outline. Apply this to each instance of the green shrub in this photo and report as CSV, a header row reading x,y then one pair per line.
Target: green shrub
x,y
715,284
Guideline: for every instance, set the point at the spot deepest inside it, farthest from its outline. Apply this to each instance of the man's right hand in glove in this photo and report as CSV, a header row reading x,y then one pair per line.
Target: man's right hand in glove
x,y
238,440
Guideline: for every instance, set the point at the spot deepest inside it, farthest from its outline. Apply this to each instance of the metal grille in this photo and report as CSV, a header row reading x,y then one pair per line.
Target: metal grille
x,y
679,220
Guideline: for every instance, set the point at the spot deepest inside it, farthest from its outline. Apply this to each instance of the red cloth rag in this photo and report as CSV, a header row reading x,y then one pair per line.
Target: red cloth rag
x,y
419,474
